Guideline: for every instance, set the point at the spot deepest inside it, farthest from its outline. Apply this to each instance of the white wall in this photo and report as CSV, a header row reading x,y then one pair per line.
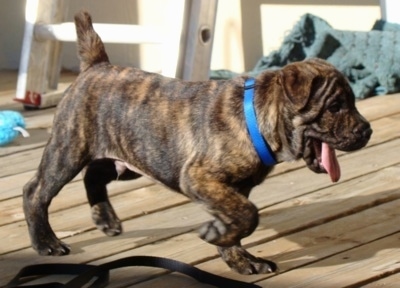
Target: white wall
x,y
105,11
266,22
228,44
390,10
350,17
12,13
275,18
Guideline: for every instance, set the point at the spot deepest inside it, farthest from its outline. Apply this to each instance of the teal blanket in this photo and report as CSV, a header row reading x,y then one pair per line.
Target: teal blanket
x,y
370,60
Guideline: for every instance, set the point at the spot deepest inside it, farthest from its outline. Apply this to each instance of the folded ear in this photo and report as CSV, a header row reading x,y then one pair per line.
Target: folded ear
x,y
297,80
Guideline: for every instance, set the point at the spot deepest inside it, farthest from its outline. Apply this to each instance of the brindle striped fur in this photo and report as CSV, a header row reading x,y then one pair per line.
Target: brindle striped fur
x,y
120,123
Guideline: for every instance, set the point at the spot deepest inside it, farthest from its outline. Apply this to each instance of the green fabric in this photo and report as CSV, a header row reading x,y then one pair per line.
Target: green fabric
x,y
370,60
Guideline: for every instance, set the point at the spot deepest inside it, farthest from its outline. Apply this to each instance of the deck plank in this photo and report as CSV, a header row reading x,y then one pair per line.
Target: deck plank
x,y
73,195
21,162
349,268
296,187
339,230
321,234
263,234
79,216
391,281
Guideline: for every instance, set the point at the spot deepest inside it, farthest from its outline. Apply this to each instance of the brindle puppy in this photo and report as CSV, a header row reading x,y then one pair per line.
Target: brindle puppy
x,y
120,123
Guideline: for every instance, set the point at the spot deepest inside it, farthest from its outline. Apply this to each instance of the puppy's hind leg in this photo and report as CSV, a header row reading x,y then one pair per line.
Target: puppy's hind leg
x,y
58,166
97,175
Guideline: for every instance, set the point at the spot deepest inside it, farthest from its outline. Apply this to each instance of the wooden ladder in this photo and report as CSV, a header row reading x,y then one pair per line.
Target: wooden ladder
x,y
187,52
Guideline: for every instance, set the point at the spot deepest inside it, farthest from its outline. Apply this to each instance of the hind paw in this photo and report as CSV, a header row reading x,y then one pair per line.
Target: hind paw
x,y
105,219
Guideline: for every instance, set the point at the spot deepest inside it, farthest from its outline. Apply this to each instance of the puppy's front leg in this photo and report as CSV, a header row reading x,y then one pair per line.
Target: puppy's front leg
x,y
235,217
241,261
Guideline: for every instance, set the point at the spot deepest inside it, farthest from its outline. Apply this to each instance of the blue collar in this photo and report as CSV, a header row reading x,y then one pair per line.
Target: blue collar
x,y
261,146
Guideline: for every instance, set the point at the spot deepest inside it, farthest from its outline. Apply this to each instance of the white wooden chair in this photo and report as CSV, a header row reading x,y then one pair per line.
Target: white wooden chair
x,y
45,31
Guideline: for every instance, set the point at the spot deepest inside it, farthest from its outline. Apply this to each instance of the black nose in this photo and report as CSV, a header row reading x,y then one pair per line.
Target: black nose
x,y
364,130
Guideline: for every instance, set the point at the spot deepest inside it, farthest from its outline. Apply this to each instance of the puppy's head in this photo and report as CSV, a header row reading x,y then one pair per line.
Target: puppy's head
x,y
323,115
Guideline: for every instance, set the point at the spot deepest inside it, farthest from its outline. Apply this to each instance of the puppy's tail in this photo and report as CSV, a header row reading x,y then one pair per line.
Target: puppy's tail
x,y
90,47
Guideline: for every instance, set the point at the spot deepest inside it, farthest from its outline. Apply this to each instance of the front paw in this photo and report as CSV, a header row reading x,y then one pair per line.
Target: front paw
x,y
105,219
51,246
241,261
222,234
216,232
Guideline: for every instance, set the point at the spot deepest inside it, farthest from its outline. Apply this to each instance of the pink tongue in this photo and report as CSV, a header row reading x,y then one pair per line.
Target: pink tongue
x,y
330,162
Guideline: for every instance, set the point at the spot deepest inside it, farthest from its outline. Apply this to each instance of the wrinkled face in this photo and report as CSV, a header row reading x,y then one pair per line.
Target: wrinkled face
x,y
324,115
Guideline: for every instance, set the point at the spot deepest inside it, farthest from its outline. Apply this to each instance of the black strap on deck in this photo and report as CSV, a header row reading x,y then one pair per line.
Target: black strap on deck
x,y
97,276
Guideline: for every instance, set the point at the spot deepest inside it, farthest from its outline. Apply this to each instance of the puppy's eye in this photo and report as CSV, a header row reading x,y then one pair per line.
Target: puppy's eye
x,y
334,107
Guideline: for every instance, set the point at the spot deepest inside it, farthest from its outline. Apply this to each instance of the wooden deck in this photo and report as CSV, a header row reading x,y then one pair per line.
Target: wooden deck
x,y
320,234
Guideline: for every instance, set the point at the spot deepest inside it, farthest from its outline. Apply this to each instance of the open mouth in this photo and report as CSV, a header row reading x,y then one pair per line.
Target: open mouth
x,y
325,160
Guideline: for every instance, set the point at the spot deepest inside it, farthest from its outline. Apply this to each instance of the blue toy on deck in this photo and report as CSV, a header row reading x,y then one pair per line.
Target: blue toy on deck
x,y
11,124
